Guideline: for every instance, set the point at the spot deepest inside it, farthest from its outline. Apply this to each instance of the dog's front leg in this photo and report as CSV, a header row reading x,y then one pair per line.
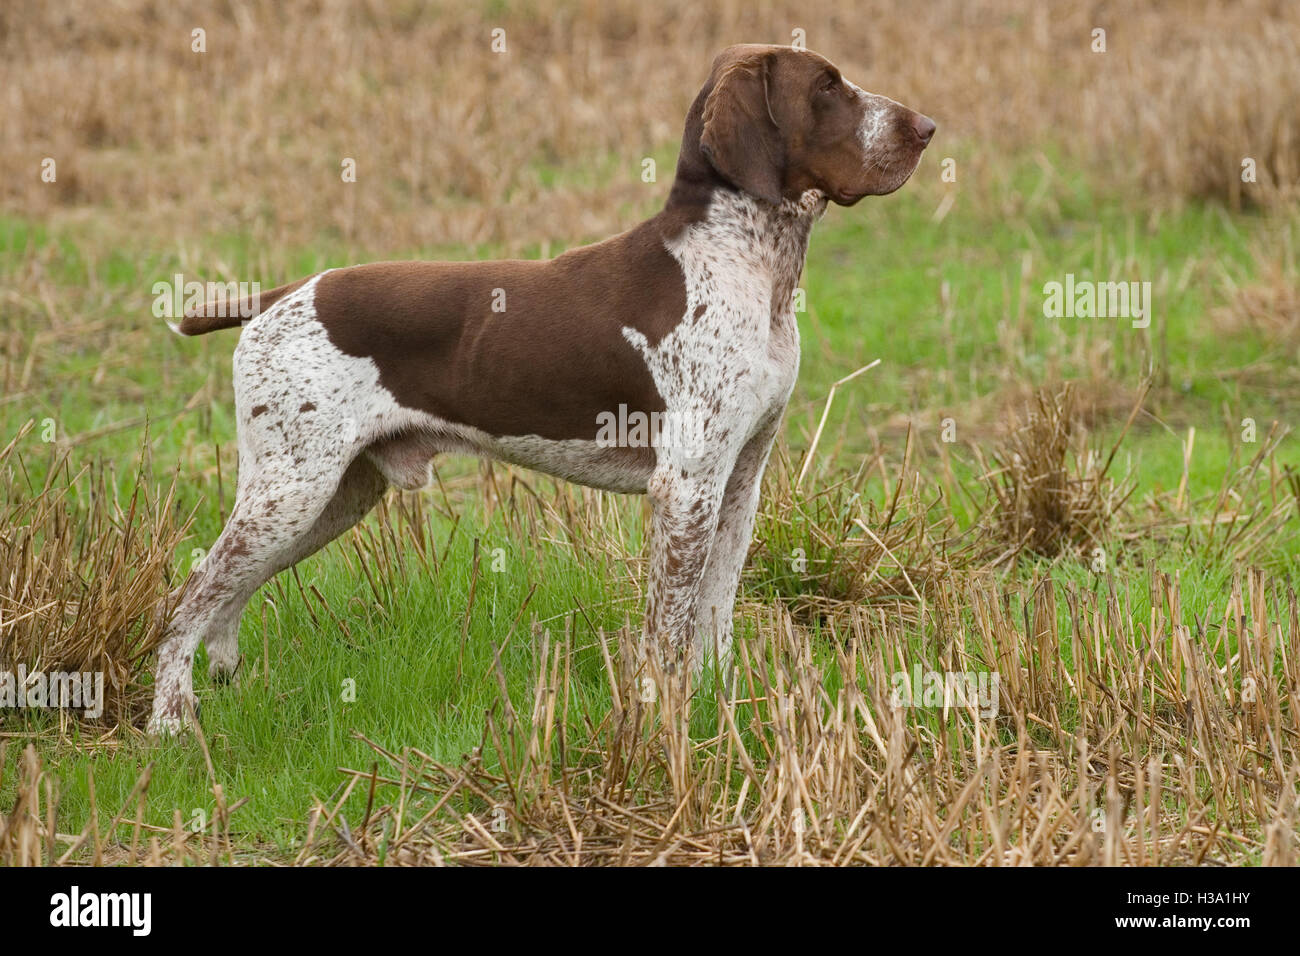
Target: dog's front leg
x,y
713,613
685,518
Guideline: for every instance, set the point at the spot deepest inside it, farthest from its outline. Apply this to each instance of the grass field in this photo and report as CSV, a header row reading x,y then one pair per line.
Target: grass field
x,y
451,682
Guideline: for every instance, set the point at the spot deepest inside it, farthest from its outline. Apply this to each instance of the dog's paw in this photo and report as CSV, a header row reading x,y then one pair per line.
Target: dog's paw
x,y
222,670
163,726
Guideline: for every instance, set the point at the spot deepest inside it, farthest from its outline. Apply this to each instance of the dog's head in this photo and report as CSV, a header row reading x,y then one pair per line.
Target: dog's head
x,y
778,121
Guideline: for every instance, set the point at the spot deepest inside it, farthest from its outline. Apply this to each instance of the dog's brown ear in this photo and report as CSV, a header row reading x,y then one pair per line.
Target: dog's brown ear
x,y
740,137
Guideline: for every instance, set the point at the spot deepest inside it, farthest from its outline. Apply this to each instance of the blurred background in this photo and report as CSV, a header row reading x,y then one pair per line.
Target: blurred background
x,y
457,144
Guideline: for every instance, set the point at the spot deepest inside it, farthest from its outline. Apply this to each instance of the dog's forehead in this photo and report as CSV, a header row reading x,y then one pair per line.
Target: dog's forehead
x,y
805,61
797,61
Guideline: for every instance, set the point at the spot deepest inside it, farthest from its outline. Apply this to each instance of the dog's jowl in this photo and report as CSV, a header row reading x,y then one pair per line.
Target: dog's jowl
x,y
656,362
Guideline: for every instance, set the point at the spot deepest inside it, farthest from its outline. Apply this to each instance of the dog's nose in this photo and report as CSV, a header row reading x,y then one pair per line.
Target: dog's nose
x,y
924,128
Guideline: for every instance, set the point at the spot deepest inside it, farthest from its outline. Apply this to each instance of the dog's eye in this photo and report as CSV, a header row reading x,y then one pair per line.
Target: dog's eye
x,y
829,84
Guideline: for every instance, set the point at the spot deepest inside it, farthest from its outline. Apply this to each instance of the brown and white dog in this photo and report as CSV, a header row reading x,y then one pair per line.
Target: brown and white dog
x,y
353,379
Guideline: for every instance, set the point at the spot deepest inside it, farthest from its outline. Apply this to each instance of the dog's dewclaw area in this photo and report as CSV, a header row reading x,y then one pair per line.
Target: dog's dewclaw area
x,y
1022,584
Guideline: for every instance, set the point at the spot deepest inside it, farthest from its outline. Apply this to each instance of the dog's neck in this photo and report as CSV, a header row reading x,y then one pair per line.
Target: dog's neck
x,y
750,251
775,238
755,235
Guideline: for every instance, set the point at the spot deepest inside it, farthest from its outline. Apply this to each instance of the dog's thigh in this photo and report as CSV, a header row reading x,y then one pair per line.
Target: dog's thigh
x,y
358,491
277,508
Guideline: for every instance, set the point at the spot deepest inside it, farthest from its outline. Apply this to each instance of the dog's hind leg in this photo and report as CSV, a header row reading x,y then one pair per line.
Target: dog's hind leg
x,y
359,490
277,507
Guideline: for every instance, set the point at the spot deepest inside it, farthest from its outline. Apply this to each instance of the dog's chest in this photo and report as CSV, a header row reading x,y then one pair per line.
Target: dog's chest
x,y
737,350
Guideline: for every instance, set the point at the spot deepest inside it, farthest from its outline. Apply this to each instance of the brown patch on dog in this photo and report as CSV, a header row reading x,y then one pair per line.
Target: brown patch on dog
x,y
547,365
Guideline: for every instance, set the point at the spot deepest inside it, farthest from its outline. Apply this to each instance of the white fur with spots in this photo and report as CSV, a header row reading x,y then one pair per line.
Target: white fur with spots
x,y
732,363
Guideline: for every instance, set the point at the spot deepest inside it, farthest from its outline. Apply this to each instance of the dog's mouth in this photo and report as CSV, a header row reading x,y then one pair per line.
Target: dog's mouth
x,y
888,179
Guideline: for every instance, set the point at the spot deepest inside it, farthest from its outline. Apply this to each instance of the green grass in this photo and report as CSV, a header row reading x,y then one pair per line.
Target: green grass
x,y
401,680
873,283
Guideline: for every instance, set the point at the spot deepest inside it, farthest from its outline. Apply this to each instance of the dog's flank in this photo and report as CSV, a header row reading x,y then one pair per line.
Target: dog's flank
x,y
353,379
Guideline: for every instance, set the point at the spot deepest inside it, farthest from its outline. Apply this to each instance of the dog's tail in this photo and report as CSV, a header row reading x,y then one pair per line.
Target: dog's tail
x,y
221,313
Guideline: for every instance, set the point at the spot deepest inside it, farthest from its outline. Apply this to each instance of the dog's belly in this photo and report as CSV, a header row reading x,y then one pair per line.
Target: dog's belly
x,y
611,468
405,459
